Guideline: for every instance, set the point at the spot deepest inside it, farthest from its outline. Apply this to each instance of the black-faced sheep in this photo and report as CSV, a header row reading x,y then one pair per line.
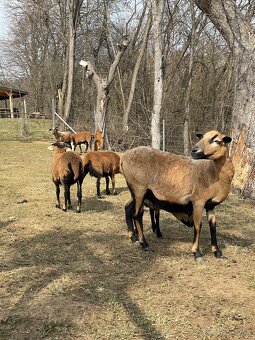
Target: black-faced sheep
x,y
67,170
99,141
179,184
102,164
65,136
82,138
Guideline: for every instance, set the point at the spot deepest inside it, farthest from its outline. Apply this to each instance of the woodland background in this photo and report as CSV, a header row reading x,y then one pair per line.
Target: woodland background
x,y
186,62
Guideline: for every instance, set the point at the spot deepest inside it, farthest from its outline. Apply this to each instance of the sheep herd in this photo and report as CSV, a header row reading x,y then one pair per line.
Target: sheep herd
x,y
181,185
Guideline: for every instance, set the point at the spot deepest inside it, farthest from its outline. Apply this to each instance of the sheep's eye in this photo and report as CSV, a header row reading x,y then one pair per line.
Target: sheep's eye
x,y
217,142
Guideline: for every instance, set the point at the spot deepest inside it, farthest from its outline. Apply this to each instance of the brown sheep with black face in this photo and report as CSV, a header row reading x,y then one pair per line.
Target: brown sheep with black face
x,y
102,164
179,184
67,170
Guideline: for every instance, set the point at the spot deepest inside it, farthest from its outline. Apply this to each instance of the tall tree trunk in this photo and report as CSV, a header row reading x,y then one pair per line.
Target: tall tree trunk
x,y
240,37
157,12
186,129
74,12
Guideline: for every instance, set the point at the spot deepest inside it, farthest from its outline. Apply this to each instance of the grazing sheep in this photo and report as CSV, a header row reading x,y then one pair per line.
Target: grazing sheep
x,y
102,164
82,138
99,141
179,184
62,136
67,170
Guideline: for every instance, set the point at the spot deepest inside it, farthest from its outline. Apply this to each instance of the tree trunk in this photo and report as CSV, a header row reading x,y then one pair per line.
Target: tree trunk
x,y
135,73
186,130
240,37
157,11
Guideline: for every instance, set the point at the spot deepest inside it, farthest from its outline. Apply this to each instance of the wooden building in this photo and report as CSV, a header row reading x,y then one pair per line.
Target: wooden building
x,y
8,94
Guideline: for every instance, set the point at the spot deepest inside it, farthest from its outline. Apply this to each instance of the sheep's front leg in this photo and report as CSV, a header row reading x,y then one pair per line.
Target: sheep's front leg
x,y
198,210
107,185
212,223
79,196
57,195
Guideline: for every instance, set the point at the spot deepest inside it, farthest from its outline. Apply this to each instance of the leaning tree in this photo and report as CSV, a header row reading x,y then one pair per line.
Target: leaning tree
x,y
238,31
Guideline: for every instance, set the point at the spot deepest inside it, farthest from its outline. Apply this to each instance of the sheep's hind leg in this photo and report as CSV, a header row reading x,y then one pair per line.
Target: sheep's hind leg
x,y
138,219
107,185
98,187
79,196
67,200
155,222
129,213
113,185
212,223
57,195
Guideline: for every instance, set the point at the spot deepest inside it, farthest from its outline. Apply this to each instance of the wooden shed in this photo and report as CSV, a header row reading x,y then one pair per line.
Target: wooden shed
x,y
8,94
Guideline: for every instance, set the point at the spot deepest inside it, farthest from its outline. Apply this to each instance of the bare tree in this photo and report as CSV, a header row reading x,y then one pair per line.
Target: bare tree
x,y
103,85
157,7
240,37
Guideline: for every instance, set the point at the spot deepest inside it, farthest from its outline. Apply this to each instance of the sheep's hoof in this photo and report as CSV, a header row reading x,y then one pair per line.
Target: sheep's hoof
x,y
78,211
159,235
100,197
64,209
198,256
145,247
134,239
108,193
57,206
218,253
115,193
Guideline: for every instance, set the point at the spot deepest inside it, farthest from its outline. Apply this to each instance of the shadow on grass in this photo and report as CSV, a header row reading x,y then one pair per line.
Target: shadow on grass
x,y
47,257
102,269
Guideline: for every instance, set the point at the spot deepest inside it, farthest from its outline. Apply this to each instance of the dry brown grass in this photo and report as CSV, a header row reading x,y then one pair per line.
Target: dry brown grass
x,y
76,276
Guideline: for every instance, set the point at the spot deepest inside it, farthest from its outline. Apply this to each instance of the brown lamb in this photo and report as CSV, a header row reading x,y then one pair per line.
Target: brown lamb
x,y
102,164
79,138
67,170
179,184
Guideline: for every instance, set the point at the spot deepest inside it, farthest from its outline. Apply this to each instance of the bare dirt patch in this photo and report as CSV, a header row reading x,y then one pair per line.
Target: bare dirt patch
x,y
76,276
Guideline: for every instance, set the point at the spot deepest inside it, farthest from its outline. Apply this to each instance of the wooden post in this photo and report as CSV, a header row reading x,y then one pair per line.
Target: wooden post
x,y
25,108
53,110
11,104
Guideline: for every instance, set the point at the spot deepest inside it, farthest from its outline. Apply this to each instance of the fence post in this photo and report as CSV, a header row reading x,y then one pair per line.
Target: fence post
x,y
53,109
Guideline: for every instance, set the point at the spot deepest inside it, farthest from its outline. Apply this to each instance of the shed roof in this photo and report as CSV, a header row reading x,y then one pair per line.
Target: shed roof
x,y
5,92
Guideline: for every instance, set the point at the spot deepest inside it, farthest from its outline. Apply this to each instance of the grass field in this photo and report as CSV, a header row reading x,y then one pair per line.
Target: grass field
x,y
76,276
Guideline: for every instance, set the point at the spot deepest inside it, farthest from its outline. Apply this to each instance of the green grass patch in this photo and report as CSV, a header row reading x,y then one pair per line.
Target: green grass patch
x,y
26,131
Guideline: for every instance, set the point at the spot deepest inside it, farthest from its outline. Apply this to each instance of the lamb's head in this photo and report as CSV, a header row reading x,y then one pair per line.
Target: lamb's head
x,y
212,145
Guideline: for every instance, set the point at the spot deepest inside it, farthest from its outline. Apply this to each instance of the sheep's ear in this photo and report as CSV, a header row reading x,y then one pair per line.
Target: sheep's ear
x,y
227,139
199,135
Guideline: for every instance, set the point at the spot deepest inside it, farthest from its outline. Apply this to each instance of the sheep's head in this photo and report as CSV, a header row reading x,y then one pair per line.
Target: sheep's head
x,y
61,145
212,145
